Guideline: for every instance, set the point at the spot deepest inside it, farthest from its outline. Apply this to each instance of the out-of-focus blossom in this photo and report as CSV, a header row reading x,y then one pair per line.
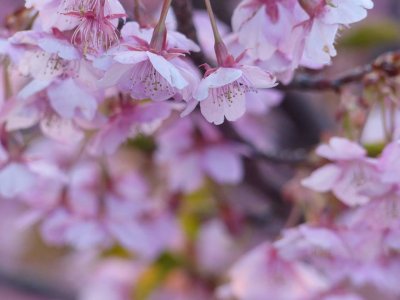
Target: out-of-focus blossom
x,y
349,177
215,248
127,120
88,207
265,274
113,279
198,151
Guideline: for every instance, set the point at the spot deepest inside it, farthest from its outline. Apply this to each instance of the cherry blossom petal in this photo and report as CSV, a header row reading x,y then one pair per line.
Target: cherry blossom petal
x,y
130,57
62,48
114,75
168,71
33,87
259,78
15,178
323,179
215,111
341,149
346,12
219,78
61,130
223,165
67,98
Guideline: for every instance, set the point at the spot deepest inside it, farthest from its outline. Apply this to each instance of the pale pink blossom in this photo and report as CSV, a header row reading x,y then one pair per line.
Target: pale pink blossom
x,y
62,89
190,158
280,35
216,248
222,93
13,164
350,175
78,204
97,22
264,274
325,19
128,120
146,73
266,27
351,257
112,279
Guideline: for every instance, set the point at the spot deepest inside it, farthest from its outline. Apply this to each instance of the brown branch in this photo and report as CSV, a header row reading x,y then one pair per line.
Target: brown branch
x,y
282,156
388,64
306,83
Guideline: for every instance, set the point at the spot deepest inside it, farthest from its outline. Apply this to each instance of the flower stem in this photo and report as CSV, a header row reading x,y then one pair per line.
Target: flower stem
x,y
6,78
220,49
160,32
213,21
136,11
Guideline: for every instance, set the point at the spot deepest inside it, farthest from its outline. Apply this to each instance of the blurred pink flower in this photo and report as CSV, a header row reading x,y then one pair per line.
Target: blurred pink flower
x,y
89,208
265,274
349,176
128,120
112,279
198,151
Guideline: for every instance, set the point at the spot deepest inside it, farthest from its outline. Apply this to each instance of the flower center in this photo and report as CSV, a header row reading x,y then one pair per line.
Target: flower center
x,y
228,93
147,81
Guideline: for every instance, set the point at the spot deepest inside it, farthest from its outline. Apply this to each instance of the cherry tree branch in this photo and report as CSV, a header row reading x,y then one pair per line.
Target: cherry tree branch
x,y
279,157
307,83
34,288
387,63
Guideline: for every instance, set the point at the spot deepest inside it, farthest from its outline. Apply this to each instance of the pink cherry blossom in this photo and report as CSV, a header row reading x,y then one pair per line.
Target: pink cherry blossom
x,y
350,174
222,93
266,27
191,158
128,120
349,257
145,73
96,31
112,279
277,277
215,247
13,164
87,208
59,81
104,154
284,34
325,19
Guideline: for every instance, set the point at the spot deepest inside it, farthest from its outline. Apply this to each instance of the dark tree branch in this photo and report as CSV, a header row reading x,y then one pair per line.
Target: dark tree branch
x,y
32,287
279,157
307,83
388,64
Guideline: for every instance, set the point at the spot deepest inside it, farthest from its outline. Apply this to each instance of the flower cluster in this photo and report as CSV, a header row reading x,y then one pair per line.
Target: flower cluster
x,y
109,146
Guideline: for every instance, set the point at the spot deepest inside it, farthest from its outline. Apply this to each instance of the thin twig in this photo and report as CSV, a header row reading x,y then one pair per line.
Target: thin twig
x,y
307,83
387,63
298,156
